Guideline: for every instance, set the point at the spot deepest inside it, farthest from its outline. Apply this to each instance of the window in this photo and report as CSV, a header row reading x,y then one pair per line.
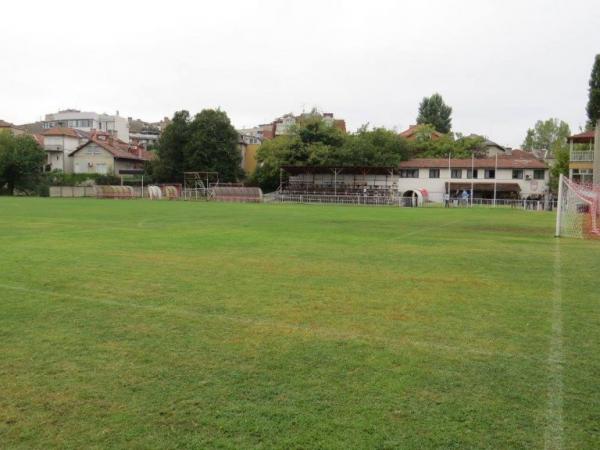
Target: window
x,y
434,173
517,174
490,173
92,150
583,175
456,173
409,173
472,173
539,174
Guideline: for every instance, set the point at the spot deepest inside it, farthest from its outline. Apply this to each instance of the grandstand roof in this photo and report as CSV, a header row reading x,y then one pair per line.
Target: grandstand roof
x,y
519,159
352,170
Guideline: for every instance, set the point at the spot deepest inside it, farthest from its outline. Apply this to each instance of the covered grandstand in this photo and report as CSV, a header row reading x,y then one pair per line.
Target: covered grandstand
x,y
368,185
331,180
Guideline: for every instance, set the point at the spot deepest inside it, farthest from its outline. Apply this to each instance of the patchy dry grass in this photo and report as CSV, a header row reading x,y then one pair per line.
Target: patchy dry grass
x,y
195,325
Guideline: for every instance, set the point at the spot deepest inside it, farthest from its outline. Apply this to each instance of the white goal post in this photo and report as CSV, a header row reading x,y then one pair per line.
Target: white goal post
x,y
578,209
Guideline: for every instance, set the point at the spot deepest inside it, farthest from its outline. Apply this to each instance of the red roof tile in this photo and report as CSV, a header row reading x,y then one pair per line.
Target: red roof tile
x,y
117,148
518,160
61,132
582,138
412,130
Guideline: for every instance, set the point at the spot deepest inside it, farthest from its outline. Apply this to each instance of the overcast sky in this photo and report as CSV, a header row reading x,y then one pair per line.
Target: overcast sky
x,y
501,64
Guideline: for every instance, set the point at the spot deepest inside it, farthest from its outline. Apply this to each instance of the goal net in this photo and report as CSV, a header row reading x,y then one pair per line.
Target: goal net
x,y
578,209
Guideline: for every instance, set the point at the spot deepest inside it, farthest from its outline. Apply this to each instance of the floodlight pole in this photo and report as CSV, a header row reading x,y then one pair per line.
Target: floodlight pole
x,y
559,205
472,175
495,179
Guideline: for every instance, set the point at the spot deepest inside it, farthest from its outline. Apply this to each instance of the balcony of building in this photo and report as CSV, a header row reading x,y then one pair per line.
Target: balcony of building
x,y
582,156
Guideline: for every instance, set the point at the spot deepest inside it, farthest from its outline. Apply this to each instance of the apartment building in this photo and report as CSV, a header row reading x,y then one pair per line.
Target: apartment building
x,y
116,125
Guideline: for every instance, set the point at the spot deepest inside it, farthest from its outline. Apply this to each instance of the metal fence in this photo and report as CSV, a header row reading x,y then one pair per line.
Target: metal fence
x,y
343,199
531,205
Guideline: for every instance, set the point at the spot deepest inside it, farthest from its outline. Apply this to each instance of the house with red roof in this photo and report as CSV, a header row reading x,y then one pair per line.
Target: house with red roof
x,y
103,154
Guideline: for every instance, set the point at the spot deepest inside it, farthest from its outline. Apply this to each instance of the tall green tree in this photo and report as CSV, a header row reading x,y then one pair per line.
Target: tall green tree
x,y
551,134
170,164
593,106
213,145
21,163
434,111
206,142
548,134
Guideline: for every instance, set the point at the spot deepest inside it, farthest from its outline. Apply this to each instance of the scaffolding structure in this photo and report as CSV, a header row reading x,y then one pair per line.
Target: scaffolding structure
x,y
199,185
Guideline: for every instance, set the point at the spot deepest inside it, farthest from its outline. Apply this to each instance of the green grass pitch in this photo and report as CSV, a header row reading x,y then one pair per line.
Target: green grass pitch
x,y
138,324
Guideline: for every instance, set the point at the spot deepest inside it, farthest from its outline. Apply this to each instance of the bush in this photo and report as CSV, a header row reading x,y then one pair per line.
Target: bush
x,y
59,178
107,180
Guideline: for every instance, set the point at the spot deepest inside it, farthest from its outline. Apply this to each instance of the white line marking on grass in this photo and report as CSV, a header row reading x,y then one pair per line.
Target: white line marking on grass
x,y
309,330
423,230
553,435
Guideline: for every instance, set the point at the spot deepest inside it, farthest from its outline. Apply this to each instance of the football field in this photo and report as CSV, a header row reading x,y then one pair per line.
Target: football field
x,y
139,324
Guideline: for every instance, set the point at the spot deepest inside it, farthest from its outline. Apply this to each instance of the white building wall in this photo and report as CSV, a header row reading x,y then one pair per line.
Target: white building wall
x,y
436,186
65,145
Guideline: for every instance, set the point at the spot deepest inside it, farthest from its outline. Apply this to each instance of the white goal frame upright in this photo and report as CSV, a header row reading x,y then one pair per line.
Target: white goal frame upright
x,y
578,209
